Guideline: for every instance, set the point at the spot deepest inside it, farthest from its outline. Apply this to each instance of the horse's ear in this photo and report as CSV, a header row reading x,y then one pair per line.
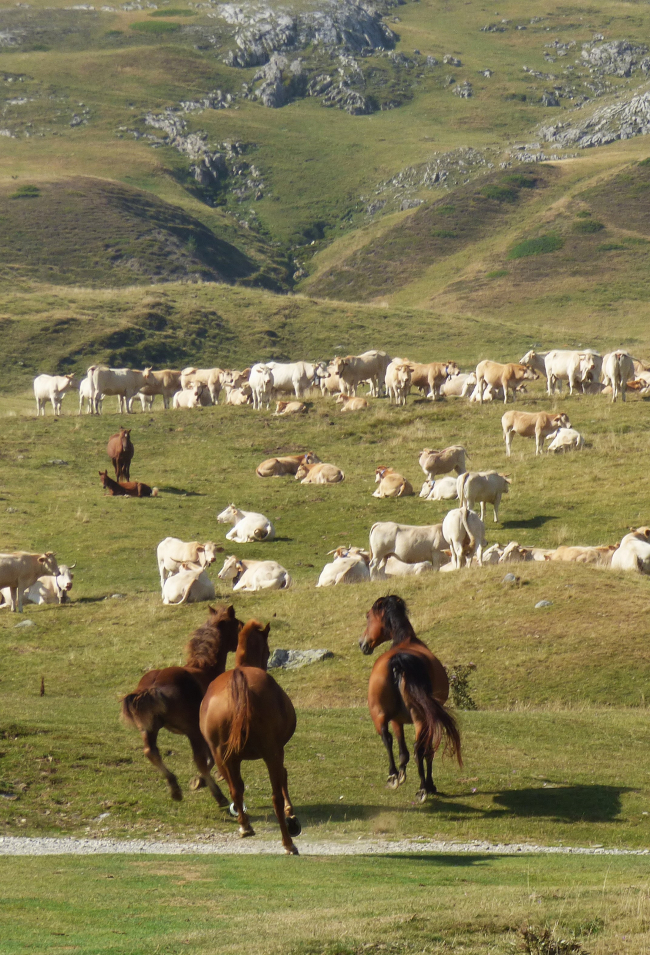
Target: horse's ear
x,y
266,629
231,611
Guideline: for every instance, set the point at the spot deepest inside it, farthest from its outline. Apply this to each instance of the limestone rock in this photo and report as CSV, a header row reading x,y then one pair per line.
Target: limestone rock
x,y
294,659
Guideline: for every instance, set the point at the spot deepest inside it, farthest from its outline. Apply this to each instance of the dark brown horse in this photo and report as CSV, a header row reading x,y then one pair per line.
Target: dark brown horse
x,y
407,685
246,715
171,698
120,450
253,645
126,488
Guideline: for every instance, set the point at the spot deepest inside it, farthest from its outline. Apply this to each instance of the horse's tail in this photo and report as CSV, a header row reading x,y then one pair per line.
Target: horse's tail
x,y
241,714
141,708
413,682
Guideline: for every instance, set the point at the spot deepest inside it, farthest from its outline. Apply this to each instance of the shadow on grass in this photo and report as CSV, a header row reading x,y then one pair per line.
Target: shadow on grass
x,y
440,858
180,490
593,803
538,521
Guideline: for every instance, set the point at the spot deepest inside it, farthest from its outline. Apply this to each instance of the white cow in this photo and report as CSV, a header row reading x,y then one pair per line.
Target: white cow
x,y
212,378
488,487
123,382
85,394
410,543
633,552
575,367
465,532
565,439
18,571
398,381
190,585
444,489
46,590
51,388
261,382
618,369
459,386
190,397
351,569
172,553
252,575
399,568
296,377
248,525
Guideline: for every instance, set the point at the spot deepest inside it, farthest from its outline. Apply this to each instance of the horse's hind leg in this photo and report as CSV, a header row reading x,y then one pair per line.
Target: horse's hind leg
x,y
387,740
204,762
427,787
152,753
232,774
398,729
277,775
293,825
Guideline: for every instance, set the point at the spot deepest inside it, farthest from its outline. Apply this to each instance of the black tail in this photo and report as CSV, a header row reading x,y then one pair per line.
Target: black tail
x,y
414,685
141,708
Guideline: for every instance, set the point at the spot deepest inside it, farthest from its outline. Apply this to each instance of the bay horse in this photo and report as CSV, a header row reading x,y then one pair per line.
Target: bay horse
x,y
408,684
120,450
246,715
126,488
253,645
171,698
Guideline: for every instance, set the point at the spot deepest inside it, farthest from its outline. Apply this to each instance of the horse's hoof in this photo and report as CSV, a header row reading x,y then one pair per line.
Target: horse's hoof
x,y
401,777
291,850
176,793
232,810
197,782
293,826
393,782
421,794
244,833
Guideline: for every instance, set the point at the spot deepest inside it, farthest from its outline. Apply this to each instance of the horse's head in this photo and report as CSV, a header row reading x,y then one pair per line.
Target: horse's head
x,y
384,621
253,645
125,438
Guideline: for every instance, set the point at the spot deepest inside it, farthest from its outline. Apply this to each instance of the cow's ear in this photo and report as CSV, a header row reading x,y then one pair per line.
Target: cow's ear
x,y
42,558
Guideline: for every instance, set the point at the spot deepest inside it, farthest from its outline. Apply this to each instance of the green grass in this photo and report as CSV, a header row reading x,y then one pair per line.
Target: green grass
x,y
587,226
541,245
149,26
320,906
173,12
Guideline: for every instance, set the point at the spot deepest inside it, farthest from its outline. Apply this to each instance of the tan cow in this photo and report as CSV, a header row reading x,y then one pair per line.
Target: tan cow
x,y
391,484
278,467
352,404
434,463
239,396
530,424
353,369
19,570
331,385
212,378
507,376
430,378
599,556
289,407
319,474
166,383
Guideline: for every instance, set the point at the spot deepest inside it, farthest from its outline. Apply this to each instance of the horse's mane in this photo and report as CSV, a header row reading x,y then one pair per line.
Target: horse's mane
x,y
204,645
395,614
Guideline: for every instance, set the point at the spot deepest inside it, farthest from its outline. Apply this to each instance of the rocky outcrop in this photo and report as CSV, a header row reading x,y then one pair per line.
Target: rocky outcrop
x,y
622,120
617,58
294,659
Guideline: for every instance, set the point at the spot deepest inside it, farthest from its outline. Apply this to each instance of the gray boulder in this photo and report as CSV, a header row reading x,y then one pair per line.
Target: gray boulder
x,y
294,659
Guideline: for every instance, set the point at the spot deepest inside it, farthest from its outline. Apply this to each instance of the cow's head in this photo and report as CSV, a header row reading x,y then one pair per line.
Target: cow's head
x,y
528,358
380,473
49,566
65,577
452,369
320,371
587,366
528,373
303,470
342,399
229,516
208,552
561,420
231,569
147,373
310,458
642,533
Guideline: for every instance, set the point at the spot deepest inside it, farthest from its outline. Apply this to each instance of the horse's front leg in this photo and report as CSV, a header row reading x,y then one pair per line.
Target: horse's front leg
x,y
387,739
398,729
204,762
152,753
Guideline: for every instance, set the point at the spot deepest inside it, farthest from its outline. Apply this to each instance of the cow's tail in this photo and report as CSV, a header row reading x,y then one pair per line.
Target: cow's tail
x,y
411,678
261,534
286,581
464,517
141,708
460,486
241,714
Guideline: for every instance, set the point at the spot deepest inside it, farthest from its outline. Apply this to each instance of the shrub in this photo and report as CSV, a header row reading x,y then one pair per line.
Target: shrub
x,y
26,192
496,274
583,214
545,942
500,193
443,234
520,97
173,13
539,246
520,182
587,226
153,26
459,685
446,210
645,162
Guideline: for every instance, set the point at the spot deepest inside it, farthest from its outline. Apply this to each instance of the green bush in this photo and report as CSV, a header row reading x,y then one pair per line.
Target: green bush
x,y
520,182
446,210
26,192
587,226
520,97
583,214
153,26
174,13
645,162
443,234
539,246
496,274
500,193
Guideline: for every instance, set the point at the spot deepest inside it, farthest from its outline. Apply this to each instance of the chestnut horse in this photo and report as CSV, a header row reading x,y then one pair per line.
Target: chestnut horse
x,y
253,645
126,488
407,685
246,715
120,450
171,698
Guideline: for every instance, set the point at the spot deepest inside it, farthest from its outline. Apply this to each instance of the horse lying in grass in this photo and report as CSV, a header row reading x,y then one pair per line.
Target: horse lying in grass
x,y
246,715
171,698
126,488
408,684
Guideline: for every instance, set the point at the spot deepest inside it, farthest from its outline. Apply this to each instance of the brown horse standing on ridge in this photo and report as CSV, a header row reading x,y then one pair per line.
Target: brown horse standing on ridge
x,y
171,698
407,685
246,715
120,450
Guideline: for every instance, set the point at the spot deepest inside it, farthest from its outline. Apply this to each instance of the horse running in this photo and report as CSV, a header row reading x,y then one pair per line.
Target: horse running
x,y
407,685
120,450
246,715
171,698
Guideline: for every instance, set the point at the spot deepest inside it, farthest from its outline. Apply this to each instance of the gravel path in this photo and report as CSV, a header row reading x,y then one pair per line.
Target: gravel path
x,y
19,846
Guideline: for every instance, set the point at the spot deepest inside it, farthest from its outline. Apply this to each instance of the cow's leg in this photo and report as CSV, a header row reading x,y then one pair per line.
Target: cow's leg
x,y
479,385
387,740
508,437
549,384
539,442
203,761
398,730
496,504
482,510
504,385
13,591
152,753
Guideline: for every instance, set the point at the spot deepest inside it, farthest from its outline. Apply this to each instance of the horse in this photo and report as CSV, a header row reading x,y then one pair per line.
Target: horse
x,y
408,684
170,698
246,715
120,450
253,645
126,488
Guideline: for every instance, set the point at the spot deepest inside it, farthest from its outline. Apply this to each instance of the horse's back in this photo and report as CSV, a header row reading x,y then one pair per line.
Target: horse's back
x,y
272,714
381,687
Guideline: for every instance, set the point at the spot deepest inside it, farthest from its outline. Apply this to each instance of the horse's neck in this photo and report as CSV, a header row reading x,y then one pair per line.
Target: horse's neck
x,y
407,638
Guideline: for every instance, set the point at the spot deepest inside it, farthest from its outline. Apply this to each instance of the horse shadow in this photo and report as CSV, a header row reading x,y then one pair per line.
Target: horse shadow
x,y
170,489
588,803
532,522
